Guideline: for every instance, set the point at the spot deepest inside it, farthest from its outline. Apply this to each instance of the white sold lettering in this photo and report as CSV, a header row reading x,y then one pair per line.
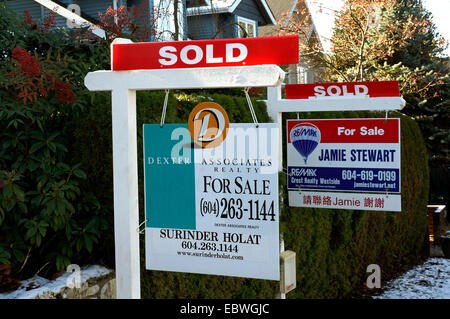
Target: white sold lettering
x,y
210,55
230,49
334,90
320,90
193,54
167,52
198,54
361,89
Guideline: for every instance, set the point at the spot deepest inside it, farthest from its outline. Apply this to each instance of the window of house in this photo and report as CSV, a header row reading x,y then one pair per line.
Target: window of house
x,y
247,28
195,3
302,74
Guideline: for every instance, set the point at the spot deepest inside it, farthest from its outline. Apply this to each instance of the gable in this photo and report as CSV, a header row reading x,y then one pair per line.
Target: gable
x,y
249,9
279,7
257,10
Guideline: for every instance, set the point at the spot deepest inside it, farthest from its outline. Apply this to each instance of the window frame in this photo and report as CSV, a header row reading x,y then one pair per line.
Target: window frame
x,y
302,74
247,21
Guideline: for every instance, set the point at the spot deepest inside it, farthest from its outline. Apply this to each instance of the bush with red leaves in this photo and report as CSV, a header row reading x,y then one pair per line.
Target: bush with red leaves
x,y
28,64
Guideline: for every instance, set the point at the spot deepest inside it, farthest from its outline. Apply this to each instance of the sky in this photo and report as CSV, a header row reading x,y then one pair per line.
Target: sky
x,y
324,19
440,10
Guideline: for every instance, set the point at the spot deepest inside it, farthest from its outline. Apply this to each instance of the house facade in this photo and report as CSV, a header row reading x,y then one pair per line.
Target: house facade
x,y
89,8
196,19
219,19
298,12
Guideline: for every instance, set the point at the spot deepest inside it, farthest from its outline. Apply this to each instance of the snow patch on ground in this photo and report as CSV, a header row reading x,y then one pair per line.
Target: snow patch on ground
x,y
431,280
44,286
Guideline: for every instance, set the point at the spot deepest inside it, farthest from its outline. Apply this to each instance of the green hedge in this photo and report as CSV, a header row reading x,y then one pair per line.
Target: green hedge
x,y
334,247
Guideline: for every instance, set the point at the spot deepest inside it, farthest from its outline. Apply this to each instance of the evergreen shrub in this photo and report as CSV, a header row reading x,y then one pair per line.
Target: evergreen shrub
x,y
334,247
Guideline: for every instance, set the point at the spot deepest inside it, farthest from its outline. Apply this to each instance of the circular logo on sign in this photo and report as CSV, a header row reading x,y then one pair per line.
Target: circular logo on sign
x,y
208,124
305,137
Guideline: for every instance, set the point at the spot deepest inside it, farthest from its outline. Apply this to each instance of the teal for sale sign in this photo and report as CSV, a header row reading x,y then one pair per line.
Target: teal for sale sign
x,y
169,177
212,210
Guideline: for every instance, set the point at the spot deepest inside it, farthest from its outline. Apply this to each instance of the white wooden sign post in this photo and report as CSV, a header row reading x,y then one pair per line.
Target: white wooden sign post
x,y
123,86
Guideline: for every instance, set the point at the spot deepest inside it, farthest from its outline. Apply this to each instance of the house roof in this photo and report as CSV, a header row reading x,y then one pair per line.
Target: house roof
x,y
281,7
228,6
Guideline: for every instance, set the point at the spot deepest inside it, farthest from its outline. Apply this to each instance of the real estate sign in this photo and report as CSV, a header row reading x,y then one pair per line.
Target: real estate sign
x,y
212,210
205,53
344,163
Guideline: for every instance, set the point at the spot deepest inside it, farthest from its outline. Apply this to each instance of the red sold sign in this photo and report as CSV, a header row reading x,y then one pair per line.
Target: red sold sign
x,y
205,53
346,89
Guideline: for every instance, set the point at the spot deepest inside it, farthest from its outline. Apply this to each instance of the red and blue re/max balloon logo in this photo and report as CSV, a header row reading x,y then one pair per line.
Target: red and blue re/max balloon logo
x,y
302,131
305,137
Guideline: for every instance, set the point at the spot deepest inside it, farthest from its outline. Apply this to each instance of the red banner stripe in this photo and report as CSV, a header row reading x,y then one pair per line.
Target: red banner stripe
x,y
205,53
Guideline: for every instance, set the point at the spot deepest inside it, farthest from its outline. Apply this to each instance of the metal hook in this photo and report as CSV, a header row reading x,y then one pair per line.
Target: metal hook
x,y
163,115
250,105
284,171
139,227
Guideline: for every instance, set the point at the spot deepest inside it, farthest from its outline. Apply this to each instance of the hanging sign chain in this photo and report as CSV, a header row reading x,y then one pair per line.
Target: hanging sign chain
x,y
250,105
163,115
